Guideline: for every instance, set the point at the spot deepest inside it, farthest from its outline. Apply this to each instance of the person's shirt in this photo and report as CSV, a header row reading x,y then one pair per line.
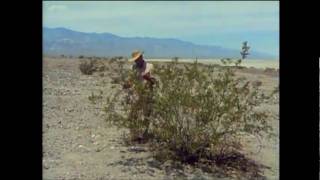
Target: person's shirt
x,y
144,72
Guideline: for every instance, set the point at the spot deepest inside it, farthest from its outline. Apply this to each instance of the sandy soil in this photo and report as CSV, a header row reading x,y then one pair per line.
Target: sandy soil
x,y
257,63
79,144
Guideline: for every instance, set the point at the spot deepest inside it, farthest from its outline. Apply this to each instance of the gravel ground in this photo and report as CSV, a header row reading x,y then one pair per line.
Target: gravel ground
x,y
79,144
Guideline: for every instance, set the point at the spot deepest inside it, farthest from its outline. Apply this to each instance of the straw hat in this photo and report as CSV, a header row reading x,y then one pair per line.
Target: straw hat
x,y
135,55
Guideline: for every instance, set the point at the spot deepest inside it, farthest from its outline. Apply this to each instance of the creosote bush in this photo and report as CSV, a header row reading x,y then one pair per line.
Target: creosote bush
x,y
88,67
193,113
94,97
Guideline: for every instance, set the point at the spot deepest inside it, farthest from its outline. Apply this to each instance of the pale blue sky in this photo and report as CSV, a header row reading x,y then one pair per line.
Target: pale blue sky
x,y
224,23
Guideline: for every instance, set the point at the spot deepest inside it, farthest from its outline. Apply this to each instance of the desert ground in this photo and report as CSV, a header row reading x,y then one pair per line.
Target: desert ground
x,y
256,63
79,144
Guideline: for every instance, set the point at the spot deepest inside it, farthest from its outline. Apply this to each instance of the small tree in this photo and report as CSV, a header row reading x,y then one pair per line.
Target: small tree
x,y
245,50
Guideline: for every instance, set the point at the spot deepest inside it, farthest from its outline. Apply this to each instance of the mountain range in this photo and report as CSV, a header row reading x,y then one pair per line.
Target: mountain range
x,y
58,41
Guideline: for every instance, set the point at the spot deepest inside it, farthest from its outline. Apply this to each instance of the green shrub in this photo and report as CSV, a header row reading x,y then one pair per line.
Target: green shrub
x,y
192,113
116,59
115,80
93,97
204,113
88,67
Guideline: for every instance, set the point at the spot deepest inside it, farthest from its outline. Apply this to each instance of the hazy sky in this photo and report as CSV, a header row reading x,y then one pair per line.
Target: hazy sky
x,y
225,24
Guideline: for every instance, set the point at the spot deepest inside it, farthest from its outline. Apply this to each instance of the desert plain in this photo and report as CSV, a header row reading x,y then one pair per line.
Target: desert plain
x,y
79,144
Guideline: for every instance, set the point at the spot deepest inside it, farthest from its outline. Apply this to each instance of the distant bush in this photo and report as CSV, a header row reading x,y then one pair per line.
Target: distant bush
x,y
175,59
270,70
115,80
117,58
256,83
88,67
81,57
191,115
93,97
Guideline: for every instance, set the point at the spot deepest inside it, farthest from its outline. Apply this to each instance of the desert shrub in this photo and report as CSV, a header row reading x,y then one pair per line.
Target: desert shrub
x,y
257,83
175,59
101,67
197,114
275,94
191,114
96,57
81,57
115,80
88,67
137,126
115,59
94,97
270,70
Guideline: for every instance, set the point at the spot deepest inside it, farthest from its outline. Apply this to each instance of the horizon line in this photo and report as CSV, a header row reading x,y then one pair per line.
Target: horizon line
x,y
276,56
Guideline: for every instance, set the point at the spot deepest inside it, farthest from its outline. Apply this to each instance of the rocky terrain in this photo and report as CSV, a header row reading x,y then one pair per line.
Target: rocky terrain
x,y
79,144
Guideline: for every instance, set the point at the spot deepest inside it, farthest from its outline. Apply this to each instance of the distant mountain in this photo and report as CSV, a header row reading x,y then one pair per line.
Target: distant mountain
x,y
57,41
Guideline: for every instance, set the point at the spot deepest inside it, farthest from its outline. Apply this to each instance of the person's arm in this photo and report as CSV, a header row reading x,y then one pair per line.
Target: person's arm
x,y
147,74
149,78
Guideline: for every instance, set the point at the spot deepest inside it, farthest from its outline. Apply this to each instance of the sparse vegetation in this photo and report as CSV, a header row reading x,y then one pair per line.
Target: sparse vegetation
x,y
116,59
256,83
115,80
93,97
175,58
88,67
270,70
193,115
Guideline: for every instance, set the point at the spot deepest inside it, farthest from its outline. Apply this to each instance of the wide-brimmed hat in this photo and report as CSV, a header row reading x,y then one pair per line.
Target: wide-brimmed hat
x,y
135,55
